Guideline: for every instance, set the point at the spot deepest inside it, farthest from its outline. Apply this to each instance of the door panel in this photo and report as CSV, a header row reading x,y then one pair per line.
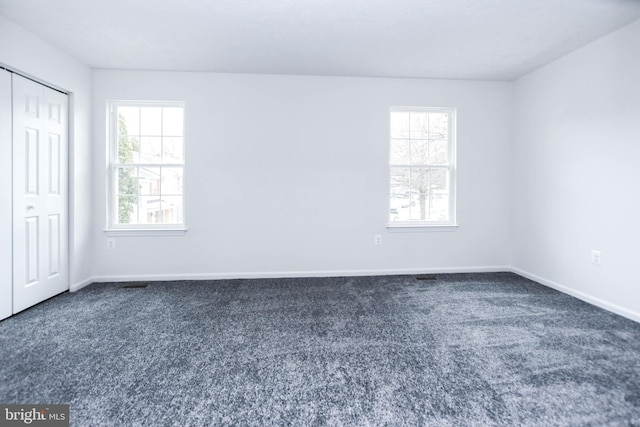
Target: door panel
x,y
54,163
6,227
31,246
31,152
54,245
40,146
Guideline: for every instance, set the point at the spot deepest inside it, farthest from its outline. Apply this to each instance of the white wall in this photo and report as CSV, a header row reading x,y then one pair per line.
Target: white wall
x,y
24,52
287,175
576,172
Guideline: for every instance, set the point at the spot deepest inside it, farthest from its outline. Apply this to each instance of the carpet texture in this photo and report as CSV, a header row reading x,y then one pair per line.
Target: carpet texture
x,y
465,349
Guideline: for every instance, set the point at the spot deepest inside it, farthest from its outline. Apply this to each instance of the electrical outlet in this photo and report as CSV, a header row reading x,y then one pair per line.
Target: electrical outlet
x,y
377,239
111,243
596,257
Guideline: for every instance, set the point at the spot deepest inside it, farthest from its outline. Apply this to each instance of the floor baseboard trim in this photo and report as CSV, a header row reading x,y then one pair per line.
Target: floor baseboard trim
x,y
77,286
614,308
289,274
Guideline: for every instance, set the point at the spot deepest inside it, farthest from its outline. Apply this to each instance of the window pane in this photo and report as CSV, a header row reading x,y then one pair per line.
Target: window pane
x,y
399,182
151,121
419,152
172,121
439,181
172,210
394,213
419,125
416,207
126,209
161,210
149,181
438,152
150,210
438,125
129,119
400,208
420,180
399,125
127,181
150,149
172,150
171,181
439,208
128,148
399,152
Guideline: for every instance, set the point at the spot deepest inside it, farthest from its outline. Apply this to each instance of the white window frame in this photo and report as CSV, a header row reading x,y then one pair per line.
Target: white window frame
x,y
416,225
113,228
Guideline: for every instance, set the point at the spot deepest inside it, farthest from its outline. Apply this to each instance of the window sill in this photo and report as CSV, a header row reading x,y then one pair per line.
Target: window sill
x,y
145,232
411,228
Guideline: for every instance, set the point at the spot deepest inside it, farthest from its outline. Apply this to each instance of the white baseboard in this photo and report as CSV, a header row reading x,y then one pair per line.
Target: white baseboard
x,y
288,274
614,308
630,314
77,286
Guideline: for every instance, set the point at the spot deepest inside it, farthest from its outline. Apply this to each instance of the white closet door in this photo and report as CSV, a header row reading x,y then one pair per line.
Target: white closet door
x,y
6,231
40,212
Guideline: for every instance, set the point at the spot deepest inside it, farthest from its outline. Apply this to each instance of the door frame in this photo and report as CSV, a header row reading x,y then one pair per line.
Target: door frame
x,y
6,196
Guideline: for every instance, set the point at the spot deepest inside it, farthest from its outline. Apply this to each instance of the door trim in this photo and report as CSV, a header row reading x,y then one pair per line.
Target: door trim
x,y
6,195
32,78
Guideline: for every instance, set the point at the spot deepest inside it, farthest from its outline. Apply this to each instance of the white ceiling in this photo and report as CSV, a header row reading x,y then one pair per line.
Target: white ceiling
x,y
464,39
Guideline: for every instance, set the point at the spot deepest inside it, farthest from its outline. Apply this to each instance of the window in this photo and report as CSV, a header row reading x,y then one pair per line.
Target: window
x,y
146,165
422,166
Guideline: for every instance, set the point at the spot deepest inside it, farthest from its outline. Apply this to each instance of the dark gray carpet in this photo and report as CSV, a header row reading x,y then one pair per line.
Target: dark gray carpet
x,y
466,349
